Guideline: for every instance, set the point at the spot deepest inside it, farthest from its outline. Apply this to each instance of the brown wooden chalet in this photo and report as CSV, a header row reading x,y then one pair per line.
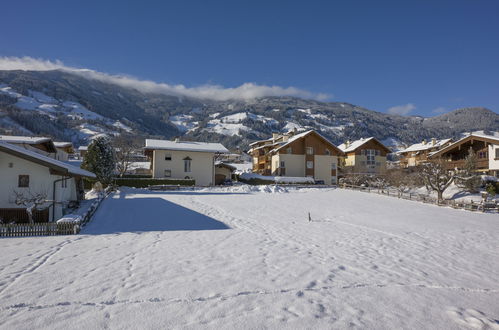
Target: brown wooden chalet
x,y
486,148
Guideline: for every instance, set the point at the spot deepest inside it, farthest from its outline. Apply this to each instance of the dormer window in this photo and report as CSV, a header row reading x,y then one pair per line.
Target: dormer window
x,y
310,150
328,152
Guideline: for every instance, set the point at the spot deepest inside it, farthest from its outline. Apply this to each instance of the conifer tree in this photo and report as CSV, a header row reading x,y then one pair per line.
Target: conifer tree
x,y
100,159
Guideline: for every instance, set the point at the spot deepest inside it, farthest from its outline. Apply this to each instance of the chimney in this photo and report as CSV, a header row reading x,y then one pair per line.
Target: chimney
x,y
433,141
347,143
424,142
275,136
177,139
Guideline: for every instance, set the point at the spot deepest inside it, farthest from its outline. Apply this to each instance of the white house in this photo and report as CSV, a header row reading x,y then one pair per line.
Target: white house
x,y
64,149
27,172
184,160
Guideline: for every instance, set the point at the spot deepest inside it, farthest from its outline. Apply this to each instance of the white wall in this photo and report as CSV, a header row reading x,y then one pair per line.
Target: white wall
x,y
323,167
202,167
294,164
40,181
493,163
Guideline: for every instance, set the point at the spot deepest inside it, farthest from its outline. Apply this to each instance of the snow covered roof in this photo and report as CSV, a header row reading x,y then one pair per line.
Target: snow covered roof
x,y
24,139
63,144
44,160
358,143
222,164
426,145
84,148
185,146
488,138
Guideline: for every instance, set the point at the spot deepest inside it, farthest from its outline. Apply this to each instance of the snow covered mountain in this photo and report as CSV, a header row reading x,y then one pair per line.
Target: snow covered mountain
x,y
71,107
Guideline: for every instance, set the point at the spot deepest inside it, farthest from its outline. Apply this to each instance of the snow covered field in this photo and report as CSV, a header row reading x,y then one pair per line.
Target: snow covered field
x,y
247,257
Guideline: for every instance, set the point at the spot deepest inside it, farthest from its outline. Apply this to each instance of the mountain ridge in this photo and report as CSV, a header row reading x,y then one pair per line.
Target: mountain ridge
x,y
71,107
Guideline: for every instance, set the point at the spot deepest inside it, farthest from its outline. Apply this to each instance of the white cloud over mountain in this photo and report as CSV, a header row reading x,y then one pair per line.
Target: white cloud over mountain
x,y
214,92
402,110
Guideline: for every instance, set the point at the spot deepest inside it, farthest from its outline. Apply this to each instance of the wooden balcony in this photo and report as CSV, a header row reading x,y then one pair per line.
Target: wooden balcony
x,y
480,164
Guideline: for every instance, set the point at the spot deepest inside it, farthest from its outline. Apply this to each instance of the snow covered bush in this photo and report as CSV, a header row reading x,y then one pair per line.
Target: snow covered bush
x,y
100,159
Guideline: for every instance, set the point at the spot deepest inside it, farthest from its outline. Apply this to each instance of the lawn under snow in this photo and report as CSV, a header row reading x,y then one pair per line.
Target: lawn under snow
x,y
247,257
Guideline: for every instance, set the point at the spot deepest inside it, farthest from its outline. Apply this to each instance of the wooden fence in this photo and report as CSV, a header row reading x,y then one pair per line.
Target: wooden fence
x,y
51,228
491,206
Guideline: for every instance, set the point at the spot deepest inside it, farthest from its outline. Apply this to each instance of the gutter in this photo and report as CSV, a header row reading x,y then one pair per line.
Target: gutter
x,y
53,195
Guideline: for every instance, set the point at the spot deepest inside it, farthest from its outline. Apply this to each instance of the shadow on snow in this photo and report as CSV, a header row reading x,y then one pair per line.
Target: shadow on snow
x,y
120,215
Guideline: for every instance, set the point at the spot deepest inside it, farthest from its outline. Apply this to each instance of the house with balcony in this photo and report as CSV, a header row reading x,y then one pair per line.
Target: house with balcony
x,y
293,154
417,154
184,160
364,156
486,148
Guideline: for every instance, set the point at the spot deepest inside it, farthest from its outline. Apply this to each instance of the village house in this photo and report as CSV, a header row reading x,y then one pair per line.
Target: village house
x,y
184,160
305,154
28,173
42,145
364,156
418,153
223,172
486,148
64,149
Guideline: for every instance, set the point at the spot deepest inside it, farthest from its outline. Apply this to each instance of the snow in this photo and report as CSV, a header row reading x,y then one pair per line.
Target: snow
x,y
79,110
185,145
276,179
353,145
426,145
222,259
242,167
120,125
184,123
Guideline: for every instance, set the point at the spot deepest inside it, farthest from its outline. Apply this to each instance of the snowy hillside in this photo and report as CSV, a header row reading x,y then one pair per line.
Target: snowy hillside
x,y
207,259
71,107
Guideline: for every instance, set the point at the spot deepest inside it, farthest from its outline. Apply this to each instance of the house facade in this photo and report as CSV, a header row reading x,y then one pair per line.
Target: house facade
x,y
305,154
26,172
418,153
364,156
184,160
486,148
64,149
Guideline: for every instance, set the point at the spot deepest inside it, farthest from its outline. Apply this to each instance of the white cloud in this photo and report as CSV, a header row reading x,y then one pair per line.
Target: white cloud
x,y
214,92
439,110
402,110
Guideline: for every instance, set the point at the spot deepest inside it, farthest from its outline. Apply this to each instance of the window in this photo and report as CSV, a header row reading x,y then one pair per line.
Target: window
x,y
310,150
378,164
23,181
187,164
328,152
333,180
482,154
64,183
289,150
283,164
497,153
371,156
333,166
310,164
168,173
168,157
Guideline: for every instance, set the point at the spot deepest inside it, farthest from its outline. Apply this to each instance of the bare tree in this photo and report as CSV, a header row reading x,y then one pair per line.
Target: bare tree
x,y
32,201
401,180
436,177
125,147
467,178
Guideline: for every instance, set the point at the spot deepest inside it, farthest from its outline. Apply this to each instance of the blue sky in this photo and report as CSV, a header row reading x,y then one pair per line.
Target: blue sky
x,y
421,57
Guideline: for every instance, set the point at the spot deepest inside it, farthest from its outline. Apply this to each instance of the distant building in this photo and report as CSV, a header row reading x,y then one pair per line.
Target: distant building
x,y
486,148
82,151
223,172
64,149
364,156
418,153
184,160
28,172
305,154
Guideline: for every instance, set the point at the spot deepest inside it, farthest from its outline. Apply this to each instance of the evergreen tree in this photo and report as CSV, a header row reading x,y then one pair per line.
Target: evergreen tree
x,y
468,178
100,159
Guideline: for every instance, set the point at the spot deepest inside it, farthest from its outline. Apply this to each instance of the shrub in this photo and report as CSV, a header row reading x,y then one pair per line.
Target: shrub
x,y
146,182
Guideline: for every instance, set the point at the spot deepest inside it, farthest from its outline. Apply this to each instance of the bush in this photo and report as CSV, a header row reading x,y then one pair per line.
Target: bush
x,y
256,182
146,182
137,182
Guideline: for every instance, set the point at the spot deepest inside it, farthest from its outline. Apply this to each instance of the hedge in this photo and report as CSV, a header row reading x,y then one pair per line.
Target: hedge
x,y
255,181
143,182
